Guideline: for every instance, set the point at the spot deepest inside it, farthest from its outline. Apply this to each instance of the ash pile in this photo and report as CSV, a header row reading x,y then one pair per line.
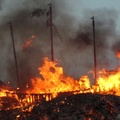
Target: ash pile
x,y
79,107
85,106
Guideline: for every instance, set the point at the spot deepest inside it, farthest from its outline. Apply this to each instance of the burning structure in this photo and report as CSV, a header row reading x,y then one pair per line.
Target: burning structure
x,y
61,90
55,81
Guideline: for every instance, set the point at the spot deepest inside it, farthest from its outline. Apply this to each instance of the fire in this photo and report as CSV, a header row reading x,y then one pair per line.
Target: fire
x,y
84,82
10,99
3,92
53,80
28,43
118,54
109,82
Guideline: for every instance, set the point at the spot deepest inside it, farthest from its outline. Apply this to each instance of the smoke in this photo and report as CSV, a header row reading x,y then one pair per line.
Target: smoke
x,y
24,26
105,24
75,50
116,46
78,47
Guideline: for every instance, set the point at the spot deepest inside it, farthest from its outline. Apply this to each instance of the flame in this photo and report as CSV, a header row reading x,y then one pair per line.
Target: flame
x,y
84,83
53,80
28,43
9,99
3,92
108,82
118,54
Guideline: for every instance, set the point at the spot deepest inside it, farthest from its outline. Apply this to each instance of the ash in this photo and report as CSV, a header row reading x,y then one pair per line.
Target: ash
x,y
85,106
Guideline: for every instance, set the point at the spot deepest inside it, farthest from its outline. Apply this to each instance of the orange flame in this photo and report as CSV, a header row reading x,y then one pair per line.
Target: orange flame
x,y
28,43
108,82
118,54
54,80
10,100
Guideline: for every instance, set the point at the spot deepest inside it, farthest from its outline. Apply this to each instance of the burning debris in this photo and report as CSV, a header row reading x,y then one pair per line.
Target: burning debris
x,y
85,106
78,107
28,43
118,54
53,85
74,107
83,100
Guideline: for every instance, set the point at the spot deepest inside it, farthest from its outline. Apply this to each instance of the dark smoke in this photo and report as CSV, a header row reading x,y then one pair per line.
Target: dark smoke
x,y
105,24
116,46
78,47
75,52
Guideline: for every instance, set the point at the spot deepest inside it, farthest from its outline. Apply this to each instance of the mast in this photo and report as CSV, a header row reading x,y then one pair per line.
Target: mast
x,y
94,50
15,57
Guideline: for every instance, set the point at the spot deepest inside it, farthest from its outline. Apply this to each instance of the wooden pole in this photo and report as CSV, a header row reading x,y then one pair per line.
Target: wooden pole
x,y
94,48
15,57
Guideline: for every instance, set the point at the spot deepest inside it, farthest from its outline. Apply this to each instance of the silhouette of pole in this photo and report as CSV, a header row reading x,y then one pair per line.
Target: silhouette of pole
x,y
94,48
15,57
51,32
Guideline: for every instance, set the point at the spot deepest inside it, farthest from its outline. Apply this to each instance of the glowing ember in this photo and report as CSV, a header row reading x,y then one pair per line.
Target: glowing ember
x,y
28,43
12,100
3,92
118,54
